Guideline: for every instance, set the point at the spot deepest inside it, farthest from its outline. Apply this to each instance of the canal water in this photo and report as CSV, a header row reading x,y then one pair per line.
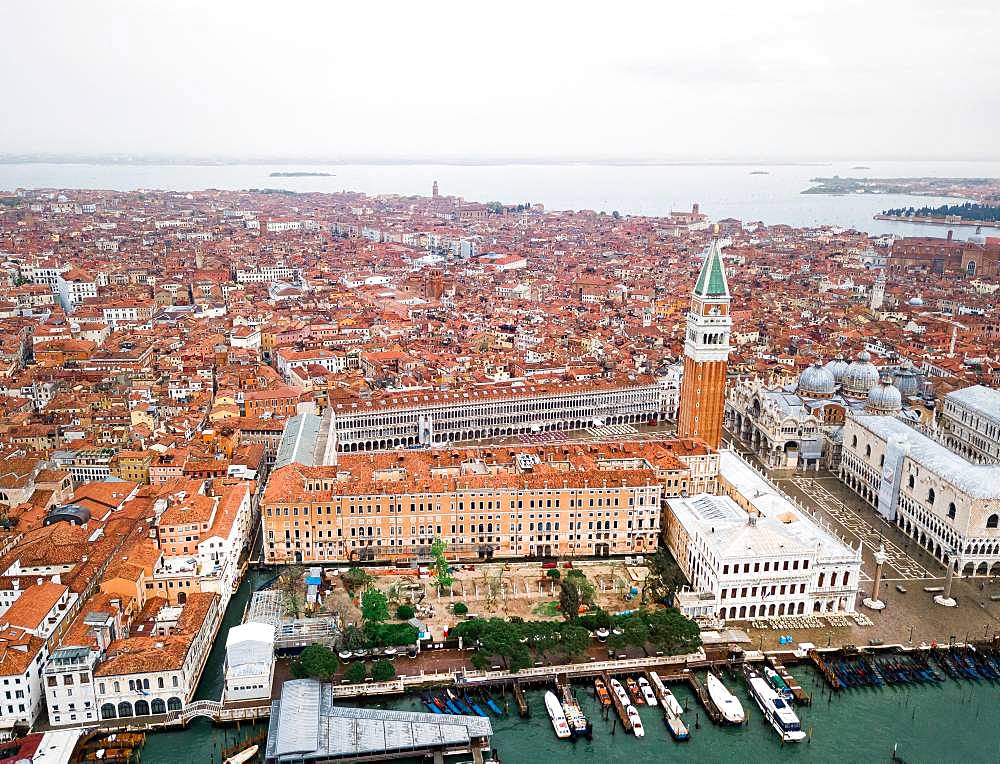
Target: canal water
x,y
949,722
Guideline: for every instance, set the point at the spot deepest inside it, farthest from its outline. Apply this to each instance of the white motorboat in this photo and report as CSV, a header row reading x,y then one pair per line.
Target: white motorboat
x,y
647,692
633,716
245,755
776,709
667,698
555,709
617,689
727,703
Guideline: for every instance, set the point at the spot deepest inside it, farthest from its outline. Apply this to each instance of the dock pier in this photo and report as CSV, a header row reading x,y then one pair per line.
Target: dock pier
x,y
825,670
801,697
701,693
523,709
619,707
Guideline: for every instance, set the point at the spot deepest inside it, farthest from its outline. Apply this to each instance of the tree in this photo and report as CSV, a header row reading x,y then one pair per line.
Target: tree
x,y
383,671
353,638
356,672
405,612
356,578
586,589
460,608
292,602
569,599
671,632
663,579
316,662
442,571
374,606
635,633
554,573
573,640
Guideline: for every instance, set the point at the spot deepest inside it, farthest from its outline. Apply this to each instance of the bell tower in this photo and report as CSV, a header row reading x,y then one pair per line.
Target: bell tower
x,y
706,353
878,292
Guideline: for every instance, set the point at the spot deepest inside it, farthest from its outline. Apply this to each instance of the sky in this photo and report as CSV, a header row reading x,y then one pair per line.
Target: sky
x,y
543,79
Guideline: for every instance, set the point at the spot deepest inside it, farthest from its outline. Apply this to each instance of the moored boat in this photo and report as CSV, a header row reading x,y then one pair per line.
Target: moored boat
x,y
776,709
575,718
728,704
555,710
634,692
633,716
245,755
647,692
779,685
603,696
617,689
667,698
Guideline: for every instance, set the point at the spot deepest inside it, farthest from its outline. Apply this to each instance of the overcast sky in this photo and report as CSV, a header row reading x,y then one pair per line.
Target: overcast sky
x,y
673,80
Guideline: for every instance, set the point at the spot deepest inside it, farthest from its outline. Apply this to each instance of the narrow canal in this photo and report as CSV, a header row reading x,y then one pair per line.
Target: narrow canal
x,y
949,722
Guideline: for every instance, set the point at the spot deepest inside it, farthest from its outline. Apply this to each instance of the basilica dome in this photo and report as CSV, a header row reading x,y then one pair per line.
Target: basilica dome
x,y
906,381
884,398
861,376
837,367
816,380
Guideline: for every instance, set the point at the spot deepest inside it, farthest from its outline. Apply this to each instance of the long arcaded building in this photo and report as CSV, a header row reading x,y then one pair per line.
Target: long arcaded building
x,y
427,418
569,499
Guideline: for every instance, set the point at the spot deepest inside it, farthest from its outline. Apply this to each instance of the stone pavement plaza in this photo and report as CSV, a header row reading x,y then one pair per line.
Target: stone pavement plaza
x,y
910,616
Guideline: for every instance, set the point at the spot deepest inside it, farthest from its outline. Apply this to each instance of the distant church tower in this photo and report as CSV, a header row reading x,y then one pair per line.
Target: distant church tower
x,y
878,291
434,190
706,354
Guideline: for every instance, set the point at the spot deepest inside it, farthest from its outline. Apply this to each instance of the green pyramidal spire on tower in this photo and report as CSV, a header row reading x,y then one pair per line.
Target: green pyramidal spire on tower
x,y
712,279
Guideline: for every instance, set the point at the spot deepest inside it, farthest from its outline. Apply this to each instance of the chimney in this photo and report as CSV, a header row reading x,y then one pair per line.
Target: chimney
x,y
950,233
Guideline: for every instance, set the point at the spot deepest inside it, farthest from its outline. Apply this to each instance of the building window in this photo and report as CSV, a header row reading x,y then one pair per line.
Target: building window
x,y
951,510
930,496
992,521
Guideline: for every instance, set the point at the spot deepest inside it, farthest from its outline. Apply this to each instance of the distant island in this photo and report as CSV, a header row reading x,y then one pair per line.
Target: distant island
x,y
975,189
759,172
301,175
969,213
861,167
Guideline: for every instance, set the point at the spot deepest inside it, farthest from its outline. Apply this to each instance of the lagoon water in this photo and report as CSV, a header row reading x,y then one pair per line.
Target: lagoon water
x,y
723,190
952,722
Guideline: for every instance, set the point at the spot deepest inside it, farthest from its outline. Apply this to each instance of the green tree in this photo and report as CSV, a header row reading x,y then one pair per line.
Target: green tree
x,y
663,579
405,612
383,671
353,638
554,573
573,641
374,606
569,599
671,632
317,662
357,578
442,572
356,672
586,589
636,632
460,608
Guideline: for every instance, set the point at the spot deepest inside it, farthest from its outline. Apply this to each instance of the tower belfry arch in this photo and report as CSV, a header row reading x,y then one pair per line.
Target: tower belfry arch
x,y
706,353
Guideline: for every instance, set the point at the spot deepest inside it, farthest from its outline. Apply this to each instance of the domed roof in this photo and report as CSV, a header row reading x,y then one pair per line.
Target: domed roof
x,y
837,367
906,381
861,376
883,398
817,380
916,301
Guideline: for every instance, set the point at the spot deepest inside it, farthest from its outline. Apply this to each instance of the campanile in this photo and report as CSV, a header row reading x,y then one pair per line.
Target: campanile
x,y
706,354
